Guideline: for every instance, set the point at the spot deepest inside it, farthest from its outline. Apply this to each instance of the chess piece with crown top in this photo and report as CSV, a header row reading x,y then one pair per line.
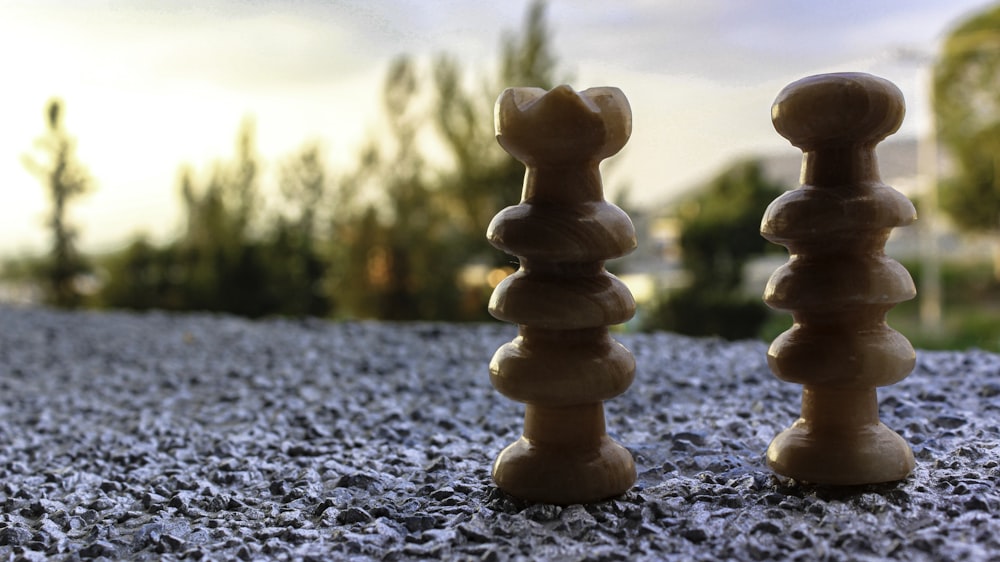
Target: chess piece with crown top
x,y
563,365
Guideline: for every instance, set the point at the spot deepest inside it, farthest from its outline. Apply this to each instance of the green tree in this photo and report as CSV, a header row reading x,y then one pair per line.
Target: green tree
x,y
967,114
143,276
64,179
405,263
297,264
719,235
388,239
218,263
426,223
222,263
483,179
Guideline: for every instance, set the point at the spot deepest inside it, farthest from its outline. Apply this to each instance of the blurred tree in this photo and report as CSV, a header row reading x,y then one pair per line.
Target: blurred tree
x,y
967,114
64,179
221,262
142,277
483,178
427,223
387,240
405,264
297,265
719,235
218,263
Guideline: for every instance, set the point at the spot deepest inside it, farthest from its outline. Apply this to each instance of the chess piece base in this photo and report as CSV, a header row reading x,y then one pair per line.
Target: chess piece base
x,y
867,455
564,476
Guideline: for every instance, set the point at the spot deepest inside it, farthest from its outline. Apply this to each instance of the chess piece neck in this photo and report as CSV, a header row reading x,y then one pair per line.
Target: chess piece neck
x,y
840,166
563,185
567,427
831,409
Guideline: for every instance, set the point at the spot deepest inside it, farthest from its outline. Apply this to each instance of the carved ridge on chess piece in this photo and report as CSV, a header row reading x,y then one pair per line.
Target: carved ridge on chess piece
x,y
838,282
563,364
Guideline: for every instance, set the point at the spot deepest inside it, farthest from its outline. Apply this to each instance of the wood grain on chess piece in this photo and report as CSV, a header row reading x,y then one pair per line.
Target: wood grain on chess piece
x,y
563,364
838,283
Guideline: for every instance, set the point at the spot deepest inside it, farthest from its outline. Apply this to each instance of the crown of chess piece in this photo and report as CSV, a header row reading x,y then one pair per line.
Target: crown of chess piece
x,y
563,365
838,283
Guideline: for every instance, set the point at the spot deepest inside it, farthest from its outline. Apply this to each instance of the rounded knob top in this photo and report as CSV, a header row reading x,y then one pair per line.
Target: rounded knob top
x,y
842,109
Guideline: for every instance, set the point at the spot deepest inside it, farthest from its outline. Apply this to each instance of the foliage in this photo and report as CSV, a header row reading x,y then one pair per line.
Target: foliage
x,y
222,262
300,236
65,179
967,113
386,239
719,234
483,179
403,240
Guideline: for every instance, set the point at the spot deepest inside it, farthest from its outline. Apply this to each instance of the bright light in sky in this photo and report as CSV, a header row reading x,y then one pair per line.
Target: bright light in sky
x,y
149,86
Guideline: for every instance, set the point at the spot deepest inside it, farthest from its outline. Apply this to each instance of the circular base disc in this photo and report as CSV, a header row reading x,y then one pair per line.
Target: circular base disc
x,y
867,455
564,476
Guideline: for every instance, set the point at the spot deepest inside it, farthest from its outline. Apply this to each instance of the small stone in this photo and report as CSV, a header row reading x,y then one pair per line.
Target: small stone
x,y
976,503
416,523
766,527
475,533
172,543
179,503
101,504
443,493
152,500
360,481
14,535
98,549
697,439
353,515
950,422
695,535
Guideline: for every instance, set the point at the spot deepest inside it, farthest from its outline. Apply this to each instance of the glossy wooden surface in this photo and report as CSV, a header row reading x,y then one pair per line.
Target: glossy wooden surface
x,y
563,364
838,283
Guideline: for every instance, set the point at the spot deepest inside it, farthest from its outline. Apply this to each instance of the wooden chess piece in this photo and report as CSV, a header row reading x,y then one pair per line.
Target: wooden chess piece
x,y
563,364
838,282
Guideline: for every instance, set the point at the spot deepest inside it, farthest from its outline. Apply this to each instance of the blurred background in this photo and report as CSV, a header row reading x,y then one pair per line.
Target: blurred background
x,y
337,159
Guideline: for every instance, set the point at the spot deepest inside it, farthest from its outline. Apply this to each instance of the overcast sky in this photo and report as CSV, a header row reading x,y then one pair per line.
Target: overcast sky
x,y
151,85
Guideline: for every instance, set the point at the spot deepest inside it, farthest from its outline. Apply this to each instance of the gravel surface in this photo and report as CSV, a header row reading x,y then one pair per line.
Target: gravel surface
x,y
209,437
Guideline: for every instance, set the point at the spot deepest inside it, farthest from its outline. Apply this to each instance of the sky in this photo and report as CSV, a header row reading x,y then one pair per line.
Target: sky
x,y
151,85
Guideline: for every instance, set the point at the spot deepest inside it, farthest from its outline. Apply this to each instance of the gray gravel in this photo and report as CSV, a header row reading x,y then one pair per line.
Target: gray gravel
x,y
208,437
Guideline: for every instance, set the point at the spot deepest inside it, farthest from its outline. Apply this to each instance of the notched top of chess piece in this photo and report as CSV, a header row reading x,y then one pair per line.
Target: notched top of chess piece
x,y
564,364
561,127
561,135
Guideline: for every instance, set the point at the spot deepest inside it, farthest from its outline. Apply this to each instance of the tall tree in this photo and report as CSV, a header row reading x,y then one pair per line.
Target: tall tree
x,y
64,179
399,228
967,114
297,264
219,260
429,222
483,178
407,266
